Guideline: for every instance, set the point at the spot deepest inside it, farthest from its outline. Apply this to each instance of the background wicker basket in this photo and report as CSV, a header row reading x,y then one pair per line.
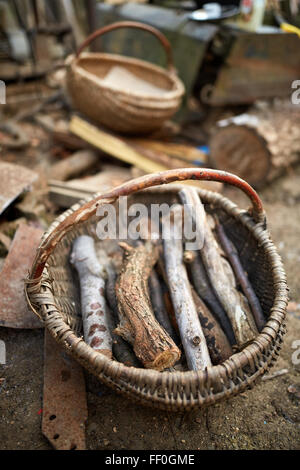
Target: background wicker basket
x,y
53,294
121,108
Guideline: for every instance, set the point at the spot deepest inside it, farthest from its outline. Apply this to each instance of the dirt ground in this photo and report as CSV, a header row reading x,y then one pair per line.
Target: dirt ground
x,y
266,417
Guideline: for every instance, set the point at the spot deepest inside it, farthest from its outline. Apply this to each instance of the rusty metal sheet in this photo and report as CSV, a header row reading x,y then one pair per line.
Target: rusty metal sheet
x,y
64,402
14,180
14,311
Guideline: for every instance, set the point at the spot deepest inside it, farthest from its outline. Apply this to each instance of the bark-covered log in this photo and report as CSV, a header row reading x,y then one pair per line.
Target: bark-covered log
x,y
122,351
260,145
93,304
217,342
241,276
151,344
192,337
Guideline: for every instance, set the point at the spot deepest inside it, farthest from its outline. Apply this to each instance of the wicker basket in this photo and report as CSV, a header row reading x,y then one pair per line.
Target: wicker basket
x,y
126,111
52,294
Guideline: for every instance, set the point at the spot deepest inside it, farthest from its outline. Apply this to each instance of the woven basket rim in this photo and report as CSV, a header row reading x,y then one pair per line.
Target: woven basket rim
x,y
176,93
112,371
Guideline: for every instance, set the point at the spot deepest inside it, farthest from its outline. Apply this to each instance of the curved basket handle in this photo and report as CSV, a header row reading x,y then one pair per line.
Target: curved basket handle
x,y
154,179
132,24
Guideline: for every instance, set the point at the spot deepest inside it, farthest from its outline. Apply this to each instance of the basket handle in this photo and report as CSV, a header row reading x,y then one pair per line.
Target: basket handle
x,y
132,24
88,209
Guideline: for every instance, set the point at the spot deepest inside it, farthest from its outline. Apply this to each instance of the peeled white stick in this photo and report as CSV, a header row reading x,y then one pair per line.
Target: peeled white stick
x,y
192,336
92,289
220,274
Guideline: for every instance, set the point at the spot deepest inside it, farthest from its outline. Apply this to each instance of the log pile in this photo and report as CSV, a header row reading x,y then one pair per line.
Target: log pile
x,y
161,305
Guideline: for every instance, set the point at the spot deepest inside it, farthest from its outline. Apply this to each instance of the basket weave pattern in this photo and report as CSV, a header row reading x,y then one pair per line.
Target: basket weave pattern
x,y
119,109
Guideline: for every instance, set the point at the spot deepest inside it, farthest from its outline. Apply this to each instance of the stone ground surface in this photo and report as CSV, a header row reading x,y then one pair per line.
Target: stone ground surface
x,y
266,417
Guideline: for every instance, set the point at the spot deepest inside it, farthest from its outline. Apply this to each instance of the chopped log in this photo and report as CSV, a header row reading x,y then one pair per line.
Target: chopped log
x,y
92,288
221,275
121,349
151,344
205,291
260,145
223,281
74,165
191,333
241,276
158,305
217,342
190,198
241,150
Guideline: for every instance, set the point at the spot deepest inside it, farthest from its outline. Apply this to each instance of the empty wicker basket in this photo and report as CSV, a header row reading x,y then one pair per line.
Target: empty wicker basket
x,y
53,296
143,98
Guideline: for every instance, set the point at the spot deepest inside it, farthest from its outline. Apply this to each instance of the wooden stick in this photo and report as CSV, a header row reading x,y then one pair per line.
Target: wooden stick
x,y
192,337
217,342
151,344
158,305
223,281
166,293
93,304
205,291
74,165
277,373
121,349
155,288
221,275
242,278
190,198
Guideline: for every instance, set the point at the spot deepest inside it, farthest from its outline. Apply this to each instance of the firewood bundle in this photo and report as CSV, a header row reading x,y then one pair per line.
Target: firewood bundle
x,y
162,305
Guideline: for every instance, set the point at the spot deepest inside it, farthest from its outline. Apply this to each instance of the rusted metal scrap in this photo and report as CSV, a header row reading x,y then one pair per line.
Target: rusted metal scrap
x,y
64,399
14,180
14,312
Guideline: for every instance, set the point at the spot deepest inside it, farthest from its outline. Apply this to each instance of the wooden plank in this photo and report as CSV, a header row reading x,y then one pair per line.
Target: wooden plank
x,y
112,145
